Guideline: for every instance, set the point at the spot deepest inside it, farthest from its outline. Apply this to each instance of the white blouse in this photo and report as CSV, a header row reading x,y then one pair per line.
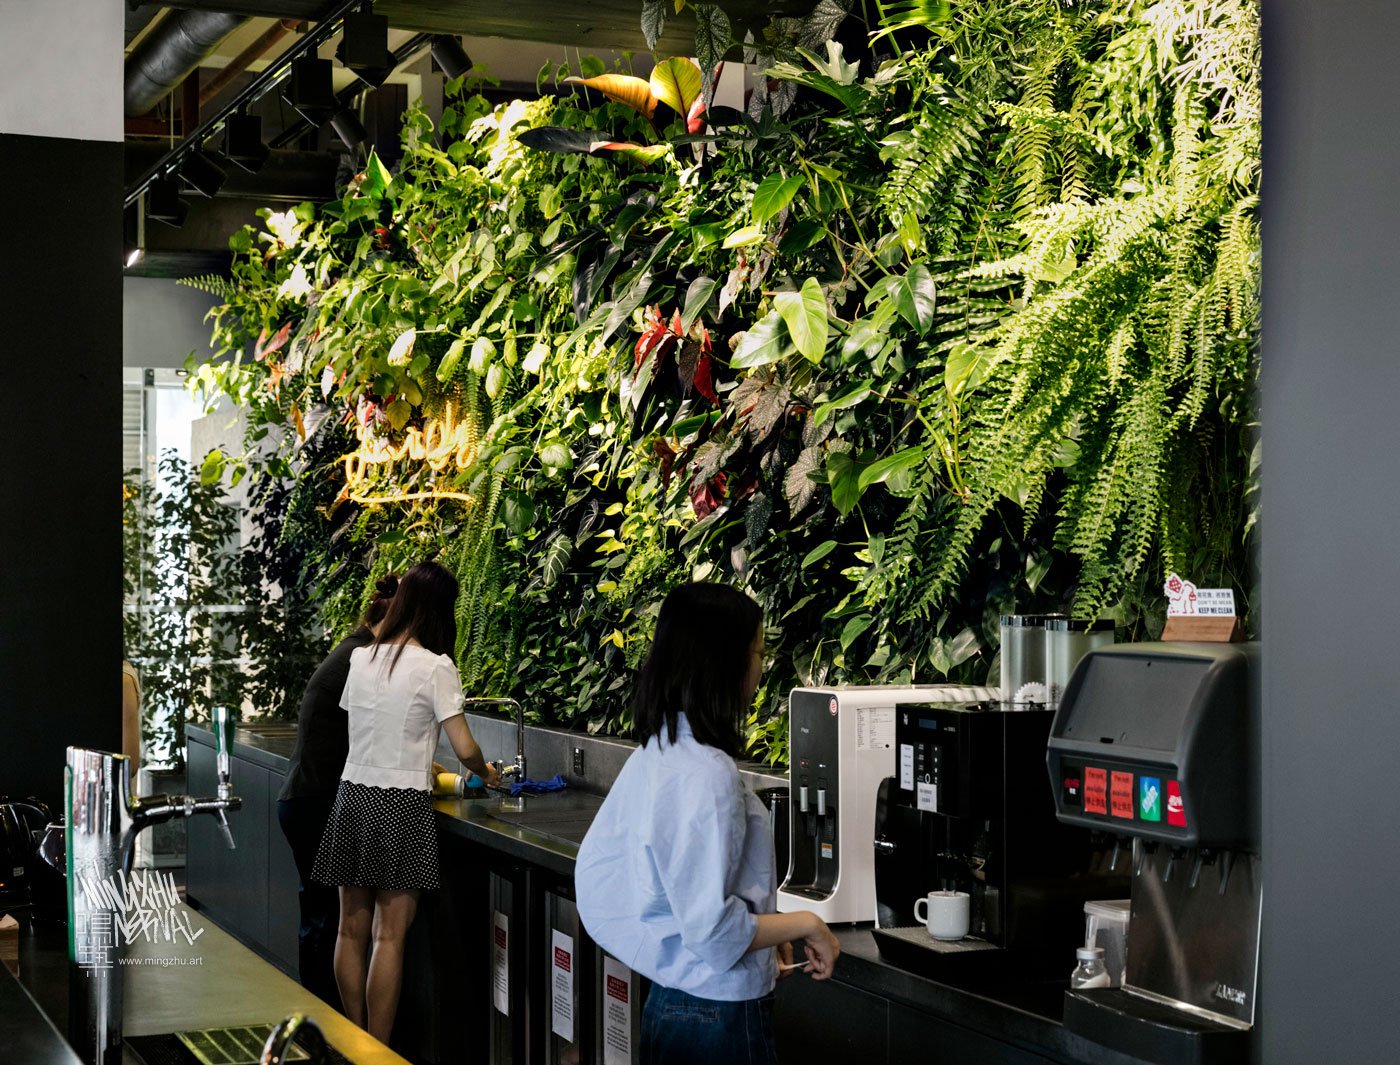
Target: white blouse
x,y
395,717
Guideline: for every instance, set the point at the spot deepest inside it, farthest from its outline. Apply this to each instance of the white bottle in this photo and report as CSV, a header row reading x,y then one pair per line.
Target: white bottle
x,y
1090,972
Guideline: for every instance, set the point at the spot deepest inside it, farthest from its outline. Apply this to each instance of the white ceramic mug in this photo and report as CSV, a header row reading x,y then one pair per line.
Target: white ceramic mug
x,y
947,914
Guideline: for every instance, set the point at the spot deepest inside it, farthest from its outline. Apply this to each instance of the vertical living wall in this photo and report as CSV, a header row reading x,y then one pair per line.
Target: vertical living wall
x,y
956,320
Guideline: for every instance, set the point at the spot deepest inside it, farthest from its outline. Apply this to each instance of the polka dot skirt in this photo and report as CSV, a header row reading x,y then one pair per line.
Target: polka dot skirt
x,y
381,838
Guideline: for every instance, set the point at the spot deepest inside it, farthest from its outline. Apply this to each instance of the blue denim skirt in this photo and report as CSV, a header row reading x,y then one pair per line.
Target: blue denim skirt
x,y
680,1029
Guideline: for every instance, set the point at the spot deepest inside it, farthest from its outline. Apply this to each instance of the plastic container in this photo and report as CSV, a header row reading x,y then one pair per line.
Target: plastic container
x,y
1106,927
1023,658
1090,971
1067,640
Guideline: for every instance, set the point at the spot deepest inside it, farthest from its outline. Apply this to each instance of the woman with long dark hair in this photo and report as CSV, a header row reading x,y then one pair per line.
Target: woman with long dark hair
x,y
380,847
676,875
304,805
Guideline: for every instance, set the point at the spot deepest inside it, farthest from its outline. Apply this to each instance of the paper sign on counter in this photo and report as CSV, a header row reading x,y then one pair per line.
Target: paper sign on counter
x,y
500,962
874,728
561,982
617,1012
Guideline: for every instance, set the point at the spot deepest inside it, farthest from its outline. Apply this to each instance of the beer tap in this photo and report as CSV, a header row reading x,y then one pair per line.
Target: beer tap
x,y
103,821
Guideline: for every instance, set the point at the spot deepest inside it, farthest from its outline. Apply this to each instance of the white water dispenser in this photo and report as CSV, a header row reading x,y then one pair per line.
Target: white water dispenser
x,y
841,745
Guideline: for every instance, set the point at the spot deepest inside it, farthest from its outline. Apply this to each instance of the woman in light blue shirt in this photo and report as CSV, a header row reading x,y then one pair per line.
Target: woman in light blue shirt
x,y
675,877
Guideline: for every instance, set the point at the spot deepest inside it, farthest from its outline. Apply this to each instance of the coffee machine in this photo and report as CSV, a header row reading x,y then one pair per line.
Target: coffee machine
x,y
967,811
841,744
1158,744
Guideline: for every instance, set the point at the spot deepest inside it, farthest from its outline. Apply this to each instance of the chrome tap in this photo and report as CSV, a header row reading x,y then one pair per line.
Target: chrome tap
x,y
280,1041
103,820
516,770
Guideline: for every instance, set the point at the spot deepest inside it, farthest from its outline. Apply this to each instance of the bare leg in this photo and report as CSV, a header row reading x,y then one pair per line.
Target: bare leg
x,y
351,947
393,913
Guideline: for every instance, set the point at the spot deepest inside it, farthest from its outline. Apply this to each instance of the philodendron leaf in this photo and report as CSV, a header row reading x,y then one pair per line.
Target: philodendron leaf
x,y
843,474
676,83
804,313
696,297
767,342
377,178
914,297
625,89
848,397
900,460
966,368
773,194
818,553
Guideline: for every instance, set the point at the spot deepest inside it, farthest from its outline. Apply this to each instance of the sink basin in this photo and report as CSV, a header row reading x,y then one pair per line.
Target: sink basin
x,y
216,1046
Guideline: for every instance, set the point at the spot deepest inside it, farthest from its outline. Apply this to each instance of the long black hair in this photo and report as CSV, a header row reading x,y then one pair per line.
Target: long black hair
x,y
697,666
423,608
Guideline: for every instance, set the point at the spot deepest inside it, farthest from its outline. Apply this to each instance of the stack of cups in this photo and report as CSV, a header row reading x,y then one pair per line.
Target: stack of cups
x,y
1066,642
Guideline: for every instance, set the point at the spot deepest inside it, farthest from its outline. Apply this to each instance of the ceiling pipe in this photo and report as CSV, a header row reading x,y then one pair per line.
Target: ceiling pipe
x,y
169,52
246,58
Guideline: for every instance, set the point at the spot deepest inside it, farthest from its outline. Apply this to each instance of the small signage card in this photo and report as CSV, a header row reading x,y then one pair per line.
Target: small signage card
x,y
617,1012
562,981
1205,614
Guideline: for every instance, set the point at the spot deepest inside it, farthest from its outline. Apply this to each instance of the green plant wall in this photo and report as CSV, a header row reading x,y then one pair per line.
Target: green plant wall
x,y
970,327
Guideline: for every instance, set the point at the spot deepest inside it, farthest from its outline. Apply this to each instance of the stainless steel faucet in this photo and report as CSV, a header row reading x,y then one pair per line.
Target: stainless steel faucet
x,y
278,1043
516,770
103,820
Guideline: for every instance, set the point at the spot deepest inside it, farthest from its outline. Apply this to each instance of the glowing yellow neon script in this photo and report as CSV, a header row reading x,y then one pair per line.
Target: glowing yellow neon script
x,y
440,443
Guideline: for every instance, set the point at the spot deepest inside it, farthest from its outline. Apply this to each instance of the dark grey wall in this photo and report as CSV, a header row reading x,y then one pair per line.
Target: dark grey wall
x,y
60,518
1331,531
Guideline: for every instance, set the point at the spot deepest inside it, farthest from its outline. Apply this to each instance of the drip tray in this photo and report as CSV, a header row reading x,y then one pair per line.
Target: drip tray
x,y
917,935
217,1046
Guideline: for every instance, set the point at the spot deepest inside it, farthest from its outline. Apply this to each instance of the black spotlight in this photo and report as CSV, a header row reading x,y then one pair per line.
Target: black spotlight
x,y
163,203
311,89
202,174
243,143
351,130
364,47
451,57
133,242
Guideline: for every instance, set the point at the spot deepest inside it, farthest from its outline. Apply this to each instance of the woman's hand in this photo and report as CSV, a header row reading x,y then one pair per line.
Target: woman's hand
x,y
822,949
491,776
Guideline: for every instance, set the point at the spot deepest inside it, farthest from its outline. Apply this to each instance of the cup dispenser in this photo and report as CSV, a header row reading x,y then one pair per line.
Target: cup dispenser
x,y
1158,744
842,744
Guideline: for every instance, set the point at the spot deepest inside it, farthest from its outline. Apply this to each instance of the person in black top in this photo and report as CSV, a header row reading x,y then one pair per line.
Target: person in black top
x,y
304,805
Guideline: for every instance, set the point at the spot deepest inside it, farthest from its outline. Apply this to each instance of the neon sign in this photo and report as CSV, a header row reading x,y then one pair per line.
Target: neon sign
x,y
440,443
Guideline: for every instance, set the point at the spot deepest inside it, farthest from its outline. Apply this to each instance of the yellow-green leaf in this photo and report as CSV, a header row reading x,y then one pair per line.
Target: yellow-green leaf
x,y
804,314
625,89
676,83
742,237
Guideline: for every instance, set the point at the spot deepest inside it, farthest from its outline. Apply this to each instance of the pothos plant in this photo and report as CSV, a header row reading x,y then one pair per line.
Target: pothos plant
x,y
971,327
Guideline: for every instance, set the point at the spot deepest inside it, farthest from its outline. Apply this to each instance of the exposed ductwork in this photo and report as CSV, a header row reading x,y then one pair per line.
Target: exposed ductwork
x,y
170,51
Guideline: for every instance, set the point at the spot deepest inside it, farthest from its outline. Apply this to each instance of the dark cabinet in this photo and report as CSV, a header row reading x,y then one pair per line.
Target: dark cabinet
x,y
250,891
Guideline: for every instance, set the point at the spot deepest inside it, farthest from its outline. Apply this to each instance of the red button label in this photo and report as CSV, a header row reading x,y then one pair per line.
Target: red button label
x,y
1176,809
1096,791
1121,795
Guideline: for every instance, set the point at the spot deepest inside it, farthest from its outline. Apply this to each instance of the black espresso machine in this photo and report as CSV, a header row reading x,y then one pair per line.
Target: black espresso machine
x,y
968,811
1158,743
